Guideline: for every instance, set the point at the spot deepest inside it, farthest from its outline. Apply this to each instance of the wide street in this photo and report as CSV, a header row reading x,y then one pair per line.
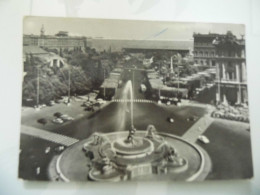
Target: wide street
x,y
115,116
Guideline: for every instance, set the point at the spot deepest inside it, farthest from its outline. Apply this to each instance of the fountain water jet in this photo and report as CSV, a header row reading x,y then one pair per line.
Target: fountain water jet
x,y
127,95
129,91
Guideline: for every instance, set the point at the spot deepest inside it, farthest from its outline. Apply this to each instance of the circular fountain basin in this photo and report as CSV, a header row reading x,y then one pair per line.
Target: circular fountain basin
x,y
74,165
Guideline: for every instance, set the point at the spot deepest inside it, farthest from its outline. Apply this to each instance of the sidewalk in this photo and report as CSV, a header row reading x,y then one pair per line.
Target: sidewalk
x,y
198,128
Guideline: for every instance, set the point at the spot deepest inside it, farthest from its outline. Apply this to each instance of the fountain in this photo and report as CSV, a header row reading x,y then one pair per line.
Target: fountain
x,y
132,154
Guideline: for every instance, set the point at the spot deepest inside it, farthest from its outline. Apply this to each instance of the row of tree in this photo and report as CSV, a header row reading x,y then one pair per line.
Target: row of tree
x,y
86,71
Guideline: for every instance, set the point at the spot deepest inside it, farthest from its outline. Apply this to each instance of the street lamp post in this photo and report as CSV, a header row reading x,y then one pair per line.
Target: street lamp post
x,y
69,89
219,79
133,81
38,88
104,84
178,79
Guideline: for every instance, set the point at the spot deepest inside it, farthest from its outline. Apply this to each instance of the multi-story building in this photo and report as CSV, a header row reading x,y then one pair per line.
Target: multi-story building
x,y
204,50
231,78
60,41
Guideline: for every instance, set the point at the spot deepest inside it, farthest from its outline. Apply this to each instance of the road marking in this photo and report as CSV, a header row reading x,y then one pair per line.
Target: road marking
x,y
135,100
46,135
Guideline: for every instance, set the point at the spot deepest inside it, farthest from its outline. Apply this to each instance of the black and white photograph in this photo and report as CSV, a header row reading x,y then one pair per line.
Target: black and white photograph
x,y
106,100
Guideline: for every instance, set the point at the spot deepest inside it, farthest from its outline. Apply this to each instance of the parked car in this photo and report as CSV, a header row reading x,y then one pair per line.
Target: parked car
x,y
101,101
88,103
96,104
42,121
65,117
57,121
203,139
57,114
89,108
43,105
51,103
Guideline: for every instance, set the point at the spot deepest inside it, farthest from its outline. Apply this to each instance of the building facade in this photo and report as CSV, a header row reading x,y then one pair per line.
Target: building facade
x,y
203,49
231,78
59,41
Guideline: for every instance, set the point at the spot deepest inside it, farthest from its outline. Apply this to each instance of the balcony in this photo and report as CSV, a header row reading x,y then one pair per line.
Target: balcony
x,y
203,46
203,56
229,57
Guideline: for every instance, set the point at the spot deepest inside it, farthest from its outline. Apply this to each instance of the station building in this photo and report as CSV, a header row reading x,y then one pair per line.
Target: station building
x,y
165,47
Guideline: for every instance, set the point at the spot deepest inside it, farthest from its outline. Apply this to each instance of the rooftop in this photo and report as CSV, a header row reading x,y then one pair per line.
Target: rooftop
x,y
161,45
35,50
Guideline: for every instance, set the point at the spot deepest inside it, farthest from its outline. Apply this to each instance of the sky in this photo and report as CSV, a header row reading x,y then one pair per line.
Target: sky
x,y
126,29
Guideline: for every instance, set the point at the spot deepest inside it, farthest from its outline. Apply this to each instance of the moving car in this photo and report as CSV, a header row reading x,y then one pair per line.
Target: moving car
x,y
47,150
171,120
191,118
143,88
203,139
59,148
